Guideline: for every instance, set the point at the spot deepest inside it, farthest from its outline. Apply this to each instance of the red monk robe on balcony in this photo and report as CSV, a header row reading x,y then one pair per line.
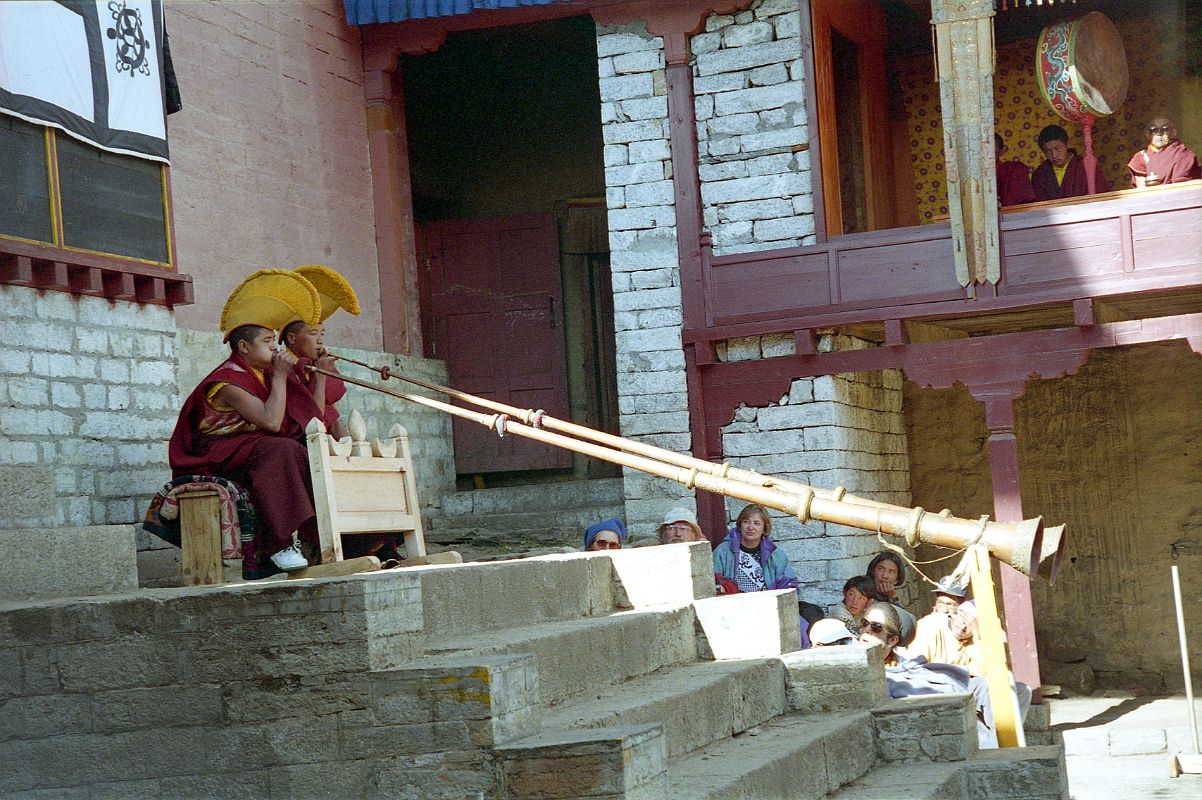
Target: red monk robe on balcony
x,y
1166,159
1062,174
1013,177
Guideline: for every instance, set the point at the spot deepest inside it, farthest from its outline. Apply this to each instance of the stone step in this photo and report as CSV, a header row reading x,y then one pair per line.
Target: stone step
x,y
548,496
1023,773
41,563
913,781
576,656
792,757
484,524
618,762
464,599
696,704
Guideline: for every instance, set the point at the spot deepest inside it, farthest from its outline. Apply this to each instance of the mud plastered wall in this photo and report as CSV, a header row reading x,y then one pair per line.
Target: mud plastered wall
x,y
1114,453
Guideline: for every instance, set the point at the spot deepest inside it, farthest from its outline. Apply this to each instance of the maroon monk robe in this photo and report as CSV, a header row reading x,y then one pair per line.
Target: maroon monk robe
x,y
1014,183
335,389
1172,163
1043,180
274,467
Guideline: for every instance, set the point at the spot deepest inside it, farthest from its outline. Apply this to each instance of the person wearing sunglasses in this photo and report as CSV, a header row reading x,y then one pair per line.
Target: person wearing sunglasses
x,y
1166,159
606,535
880,626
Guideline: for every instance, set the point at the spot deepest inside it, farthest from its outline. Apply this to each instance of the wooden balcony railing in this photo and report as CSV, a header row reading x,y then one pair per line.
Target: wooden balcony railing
x,y
1123,243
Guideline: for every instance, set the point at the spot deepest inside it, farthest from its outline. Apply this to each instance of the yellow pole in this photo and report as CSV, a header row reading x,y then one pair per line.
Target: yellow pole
x,y
993,648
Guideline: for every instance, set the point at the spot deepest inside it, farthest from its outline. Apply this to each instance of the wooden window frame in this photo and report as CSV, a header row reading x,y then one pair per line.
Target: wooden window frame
x,y
58,267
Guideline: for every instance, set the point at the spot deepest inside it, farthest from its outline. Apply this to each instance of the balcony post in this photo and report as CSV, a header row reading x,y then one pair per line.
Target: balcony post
x,y
1008,507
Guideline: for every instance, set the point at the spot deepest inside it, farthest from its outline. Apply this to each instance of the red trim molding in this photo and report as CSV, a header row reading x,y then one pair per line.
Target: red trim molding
x,y
991,367
60,270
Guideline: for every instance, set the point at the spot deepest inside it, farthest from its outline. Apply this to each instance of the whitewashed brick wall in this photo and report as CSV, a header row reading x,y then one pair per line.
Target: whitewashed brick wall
x,y
748,78
652,396
837,430
87,403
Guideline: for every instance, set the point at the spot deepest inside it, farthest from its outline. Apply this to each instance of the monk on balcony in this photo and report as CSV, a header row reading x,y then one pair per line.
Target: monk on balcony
x,y
1013,177
1166,159
1062,174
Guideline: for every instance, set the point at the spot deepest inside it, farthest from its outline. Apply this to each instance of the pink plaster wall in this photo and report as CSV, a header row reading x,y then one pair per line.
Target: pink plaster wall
x,y
269,155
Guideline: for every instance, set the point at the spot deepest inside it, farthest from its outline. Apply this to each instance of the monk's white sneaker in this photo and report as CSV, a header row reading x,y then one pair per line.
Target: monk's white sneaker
x,y
289,559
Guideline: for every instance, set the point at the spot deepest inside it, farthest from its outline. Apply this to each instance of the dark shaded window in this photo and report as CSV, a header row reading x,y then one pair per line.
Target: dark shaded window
x,y
849,125
111,203
105,203
24,182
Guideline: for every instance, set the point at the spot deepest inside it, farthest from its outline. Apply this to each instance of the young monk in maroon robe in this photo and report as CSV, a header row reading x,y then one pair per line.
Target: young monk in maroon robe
x,y
1063,173
308,345
244,422
1166,159
1013,178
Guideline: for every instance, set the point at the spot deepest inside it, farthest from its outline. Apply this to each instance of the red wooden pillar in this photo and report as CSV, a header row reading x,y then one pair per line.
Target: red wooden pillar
x,y
1008,507
676,25
396,253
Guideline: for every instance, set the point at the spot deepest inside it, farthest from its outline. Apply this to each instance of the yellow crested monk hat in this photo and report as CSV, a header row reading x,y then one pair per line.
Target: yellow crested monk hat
x,y
332,288
271,298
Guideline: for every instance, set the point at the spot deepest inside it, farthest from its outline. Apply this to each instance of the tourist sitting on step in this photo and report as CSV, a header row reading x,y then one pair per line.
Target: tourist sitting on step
x,y
945,635
608,534
888,575
245,420
858,593
679,525
907,677
830,632
749,559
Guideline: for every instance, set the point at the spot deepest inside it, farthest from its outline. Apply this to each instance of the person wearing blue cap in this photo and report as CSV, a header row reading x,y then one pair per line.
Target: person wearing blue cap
x,y
608,534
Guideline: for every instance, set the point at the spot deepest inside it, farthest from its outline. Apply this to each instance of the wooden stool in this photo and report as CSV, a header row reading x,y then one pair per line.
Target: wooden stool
x,y
200,537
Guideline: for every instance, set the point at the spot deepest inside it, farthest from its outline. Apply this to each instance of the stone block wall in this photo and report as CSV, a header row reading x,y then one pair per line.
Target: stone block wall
x,y
755,183
752,135
652,395
836,430
87,403
293,689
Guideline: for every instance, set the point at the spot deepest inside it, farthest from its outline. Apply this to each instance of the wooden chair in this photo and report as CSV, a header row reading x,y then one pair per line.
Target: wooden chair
x,y
362,487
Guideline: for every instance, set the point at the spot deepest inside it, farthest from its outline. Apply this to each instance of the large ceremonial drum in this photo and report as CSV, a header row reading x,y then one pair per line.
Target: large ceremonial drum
x,y
1082,67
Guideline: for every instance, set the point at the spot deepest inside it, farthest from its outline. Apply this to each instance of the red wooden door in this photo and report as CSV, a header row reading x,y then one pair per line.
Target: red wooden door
x,y
497,305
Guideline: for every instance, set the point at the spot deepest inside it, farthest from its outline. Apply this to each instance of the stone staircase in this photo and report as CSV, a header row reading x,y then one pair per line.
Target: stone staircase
x,y
601,675
517,518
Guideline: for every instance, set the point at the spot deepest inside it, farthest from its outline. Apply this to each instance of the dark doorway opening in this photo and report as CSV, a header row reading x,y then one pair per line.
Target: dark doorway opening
x,y
504,127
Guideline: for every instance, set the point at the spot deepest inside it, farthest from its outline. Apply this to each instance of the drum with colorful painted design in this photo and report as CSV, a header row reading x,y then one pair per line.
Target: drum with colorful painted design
x,y
1082,67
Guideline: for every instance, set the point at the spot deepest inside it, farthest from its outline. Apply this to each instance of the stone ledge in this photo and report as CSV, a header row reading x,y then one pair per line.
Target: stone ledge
x,y
42,563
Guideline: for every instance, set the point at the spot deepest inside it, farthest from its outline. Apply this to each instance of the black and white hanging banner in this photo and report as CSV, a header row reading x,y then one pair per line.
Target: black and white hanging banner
x,y
93,68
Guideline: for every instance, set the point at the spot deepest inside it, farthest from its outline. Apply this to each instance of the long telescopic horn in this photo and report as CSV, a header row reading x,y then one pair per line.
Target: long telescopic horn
x,y
1017,544
540,419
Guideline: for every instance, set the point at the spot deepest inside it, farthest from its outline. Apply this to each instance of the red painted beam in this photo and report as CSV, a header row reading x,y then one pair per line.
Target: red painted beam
x,y
150,290
16,269
119,286
51,275
976,360
85,280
